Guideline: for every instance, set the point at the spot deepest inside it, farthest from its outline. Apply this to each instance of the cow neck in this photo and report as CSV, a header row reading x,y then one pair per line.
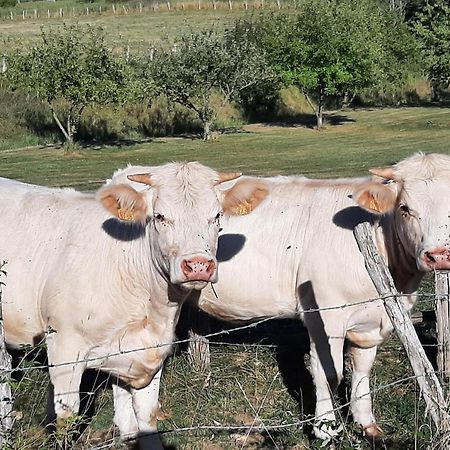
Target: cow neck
x,y
401,264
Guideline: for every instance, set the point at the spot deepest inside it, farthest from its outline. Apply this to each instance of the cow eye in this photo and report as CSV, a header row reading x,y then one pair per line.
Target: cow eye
x,y
159,217
405,210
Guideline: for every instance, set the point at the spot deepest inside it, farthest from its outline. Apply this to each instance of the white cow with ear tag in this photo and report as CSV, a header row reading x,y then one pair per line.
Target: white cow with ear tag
x,y
104,287
296,256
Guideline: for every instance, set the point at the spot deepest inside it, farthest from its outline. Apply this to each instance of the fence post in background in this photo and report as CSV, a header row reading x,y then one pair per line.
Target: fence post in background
x,y
6,403
48,14
140,7
11,15
35,13
199,354
230,4
3,69
114,8
423,370
442,282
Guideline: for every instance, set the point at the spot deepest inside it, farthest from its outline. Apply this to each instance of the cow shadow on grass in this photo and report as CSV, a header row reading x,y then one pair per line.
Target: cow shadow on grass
x,y
287,339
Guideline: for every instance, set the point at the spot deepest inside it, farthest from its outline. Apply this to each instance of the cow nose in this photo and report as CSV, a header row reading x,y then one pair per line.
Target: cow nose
x,y
437,258
198,268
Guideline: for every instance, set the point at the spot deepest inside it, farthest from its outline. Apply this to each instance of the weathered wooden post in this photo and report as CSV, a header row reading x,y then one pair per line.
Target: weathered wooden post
x,y
199,354
423,370
4,66
442,283
6,404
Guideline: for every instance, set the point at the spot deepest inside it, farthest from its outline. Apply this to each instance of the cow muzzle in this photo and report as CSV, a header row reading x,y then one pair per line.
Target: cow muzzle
x,y
437,259
199,268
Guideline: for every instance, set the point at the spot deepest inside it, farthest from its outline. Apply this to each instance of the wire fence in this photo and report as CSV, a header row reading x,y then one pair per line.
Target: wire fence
x,y
31,384
139,8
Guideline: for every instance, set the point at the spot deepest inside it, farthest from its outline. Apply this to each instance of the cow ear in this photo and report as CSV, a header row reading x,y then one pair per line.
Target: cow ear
x,y
244,197
376,197
123,202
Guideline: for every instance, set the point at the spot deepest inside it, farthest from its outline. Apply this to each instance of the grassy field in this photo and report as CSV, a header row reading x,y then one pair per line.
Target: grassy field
x,y
135,30
246,383
352,142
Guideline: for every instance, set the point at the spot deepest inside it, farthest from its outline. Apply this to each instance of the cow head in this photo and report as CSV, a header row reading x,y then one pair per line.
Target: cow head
x,y
181,206
417,192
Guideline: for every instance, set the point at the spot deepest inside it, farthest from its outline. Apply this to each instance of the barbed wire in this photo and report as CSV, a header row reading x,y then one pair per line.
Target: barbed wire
x,y
254,323
256,426
273,427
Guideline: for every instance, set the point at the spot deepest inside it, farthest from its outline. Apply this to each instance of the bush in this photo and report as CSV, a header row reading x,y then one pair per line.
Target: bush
x,y
25,111
7,3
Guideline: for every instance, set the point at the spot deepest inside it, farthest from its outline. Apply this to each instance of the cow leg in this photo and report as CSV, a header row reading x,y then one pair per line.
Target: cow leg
x,y
124,416
361,400
65,374
327,361
147,408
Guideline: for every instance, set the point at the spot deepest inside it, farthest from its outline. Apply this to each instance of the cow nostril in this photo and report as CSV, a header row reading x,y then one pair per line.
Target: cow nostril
x,y
429,257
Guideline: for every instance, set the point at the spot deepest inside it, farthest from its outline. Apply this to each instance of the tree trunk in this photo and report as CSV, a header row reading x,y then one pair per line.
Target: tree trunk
x,y
207,134
60,125
319,113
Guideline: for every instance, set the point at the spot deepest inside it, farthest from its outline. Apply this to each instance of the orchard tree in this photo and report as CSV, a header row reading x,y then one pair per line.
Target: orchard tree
x,y
73,64
336,48
200,64
431,24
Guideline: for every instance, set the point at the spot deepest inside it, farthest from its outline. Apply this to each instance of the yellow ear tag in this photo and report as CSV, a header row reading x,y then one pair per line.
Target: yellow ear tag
x,y
125,214
373,204
243,208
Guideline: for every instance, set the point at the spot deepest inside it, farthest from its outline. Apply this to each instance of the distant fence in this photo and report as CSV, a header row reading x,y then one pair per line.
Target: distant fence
x,y
140,8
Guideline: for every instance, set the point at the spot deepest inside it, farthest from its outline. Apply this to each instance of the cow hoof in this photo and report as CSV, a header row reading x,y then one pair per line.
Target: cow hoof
x,y
373,431
162,415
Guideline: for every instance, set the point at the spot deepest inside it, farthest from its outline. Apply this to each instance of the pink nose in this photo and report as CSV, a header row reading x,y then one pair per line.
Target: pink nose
x,y
198,269
438,258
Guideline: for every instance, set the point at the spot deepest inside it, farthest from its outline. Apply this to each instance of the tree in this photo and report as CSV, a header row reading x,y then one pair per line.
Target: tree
x,y
336,48
431,24
200,64
72,64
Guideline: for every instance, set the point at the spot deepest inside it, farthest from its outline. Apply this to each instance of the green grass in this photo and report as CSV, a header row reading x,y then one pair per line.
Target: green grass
x,y
363,138
245,379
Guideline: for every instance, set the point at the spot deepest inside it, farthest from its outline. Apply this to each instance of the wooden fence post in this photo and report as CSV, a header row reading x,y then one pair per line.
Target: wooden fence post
x,y
6,403
442,282
199,354
3,69
423,370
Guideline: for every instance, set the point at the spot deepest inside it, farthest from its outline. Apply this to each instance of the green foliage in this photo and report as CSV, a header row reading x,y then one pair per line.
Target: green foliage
x,y
336,47
7,3
431,24
199,64
71,63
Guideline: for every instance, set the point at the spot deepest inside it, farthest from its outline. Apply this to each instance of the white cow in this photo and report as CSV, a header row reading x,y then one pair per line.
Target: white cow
x,y
97,288
297,252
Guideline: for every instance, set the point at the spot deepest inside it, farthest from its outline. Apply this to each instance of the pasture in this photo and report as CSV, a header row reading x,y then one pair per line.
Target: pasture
x,y
257,377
